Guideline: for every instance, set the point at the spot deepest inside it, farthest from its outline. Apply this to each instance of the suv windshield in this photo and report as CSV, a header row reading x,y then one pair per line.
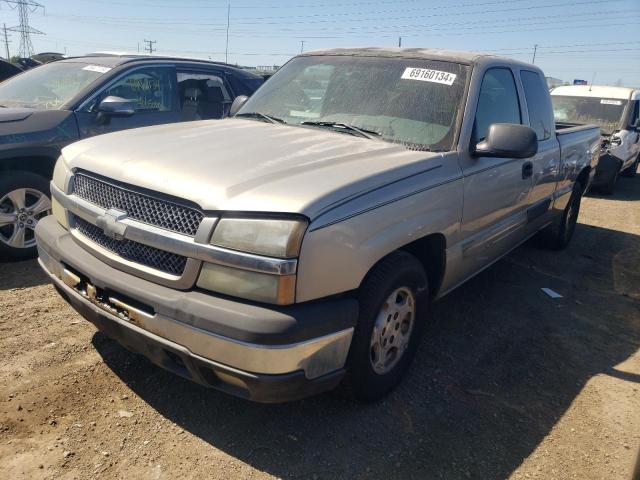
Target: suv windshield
x,y
604,112
411,102
49,86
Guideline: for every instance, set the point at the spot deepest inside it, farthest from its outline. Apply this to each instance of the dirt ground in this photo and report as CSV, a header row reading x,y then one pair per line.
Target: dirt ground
x,y
508,383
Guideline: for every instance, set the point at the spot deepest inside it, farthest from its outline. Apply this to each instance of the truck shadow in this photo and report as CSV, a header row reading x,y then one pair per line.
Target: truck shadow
x,y
626,189
22,274
499,366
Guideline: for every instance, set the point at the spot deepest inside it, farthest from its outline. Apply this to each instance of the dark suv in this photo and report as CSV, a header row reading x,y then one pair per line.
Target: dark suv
x,y
53,105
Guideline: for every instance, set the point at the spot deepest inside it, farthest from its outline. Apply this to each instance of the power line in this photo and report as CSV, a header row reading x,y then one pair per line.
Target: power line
x,y
349,16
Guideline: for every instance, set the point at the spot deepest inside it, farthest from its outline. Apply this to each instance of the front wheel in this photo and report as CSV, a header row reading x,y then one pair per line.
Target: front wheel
x,y
393,302
24,200
558,235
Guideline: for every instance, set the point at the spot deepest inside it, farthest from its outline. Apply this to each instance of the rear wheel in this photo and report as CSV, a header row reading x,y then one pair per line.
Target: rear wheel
x,y
633,169
558,235
24,200
393,302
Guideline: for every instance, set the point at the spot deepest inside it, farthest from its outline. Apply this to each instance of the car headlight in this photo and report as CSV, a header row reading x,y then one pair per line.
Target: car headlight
x,y
278,239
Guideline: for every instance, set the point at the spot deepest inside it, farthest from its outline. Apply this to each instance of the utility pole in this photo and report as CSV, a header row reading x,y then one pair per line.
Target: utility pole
x,y
535,49
149,48
226,48
301,46
399,42
6,41
25,7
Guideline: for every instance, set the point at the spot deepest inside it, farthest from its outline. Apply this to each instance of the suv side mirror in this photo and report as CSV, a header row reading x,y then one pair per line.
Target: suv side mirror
x,y
115,107
237,104
508,140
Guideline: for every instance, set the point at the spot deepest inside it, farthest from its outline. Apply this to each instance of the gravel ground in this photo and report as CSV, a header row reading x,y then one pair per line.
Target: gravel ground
x,y
508,383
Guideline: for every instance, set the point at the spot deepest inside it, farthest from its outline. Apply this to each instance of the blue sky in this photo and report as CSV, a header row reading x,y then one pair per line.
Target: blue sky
x,y
576,39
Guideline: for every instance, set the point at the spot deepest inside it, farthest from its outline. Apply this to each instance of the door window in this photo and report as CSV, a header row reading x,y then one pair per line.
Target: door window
x,y
150,89
202,96
498,102
538,104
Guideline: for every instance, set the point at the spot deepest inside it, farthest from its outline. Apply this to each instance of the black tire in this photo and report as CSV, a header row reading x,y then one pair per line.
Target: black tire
x,y
633,169
399,270
558,235
34,184
609,187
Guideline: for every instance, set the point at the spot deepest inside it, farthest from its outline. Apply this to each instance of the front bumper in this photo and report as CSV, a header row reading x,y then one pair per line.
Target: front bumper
x,y
267,354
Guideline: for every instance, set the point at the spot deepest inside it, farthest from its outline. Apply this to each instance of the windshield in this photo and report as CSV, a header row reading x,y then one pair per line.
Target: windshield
x,y
604,112
411,102
49,86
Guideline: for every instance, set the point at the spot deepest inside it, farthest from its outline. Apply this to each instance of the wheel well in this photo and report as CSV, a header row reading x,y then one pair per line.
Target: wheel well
x,y
42,165
431,252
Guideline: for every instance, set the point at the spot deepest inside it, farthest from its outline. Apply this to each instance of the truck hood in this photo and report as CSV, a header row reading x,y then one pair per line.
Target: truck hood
x,y
247,165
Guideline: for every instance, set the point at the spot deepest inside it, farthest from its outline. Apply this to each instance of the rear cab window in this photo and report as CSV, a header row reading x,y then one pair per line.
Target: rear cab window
x,y
538,104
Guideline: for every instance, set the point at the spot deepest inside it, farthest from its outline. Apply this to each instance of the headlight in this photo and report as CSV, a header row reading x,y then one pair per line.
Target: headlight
x,y
260,287
60,174
59,213
271,237
278,239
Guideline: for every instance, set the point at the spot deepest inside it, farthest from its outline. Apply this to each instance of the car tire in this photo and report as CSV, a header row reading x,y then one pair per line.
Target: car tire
x,y
633,169
558,235
25,198
393,299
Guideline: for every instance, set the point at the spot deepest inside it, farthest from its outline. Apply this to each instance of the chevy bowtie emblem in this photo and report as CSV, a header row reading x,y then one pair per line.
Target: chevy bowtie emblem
x,y
111,224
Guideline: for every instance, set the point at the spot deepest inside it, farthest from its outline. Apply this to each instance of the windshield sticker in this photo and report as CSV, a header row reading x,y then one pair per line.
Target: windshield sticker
x,y
604,101
96,68
428,75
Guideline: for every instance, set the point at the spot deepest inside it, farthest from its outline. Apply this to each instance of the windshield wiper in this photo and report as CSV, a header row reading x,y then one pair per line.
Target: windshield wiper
x,y
362,132
259,115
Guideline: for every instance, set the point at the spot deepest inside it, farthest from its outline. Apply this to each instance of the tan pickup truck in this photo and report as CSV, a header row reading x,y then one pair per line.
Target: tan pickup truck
x,y
299,244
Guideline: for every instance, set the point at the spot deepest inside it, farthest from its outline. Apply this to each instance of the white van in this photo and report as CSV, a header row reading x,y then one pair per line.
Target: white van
x,y
616,111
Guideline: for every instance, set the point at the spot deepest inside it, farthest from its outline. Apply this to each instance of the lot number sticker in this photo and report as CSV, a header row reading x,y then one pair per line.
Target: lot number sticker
x,y
428,75
604,101
97,68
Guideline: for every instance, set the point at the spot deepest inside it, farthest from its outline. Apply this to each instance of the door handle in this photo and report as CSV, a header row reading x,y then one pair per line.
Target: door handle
x,y
527,170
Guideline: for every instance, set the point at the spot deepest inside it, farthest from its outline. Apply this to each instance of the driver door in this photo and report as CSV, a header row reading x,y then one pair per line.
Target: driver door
x,y
495,189
151,89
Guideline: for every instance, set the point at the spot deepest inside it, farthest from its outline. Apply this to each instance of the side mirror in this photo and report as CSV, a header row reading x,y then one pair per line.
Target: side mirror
x,y
115,107
237,104
508,140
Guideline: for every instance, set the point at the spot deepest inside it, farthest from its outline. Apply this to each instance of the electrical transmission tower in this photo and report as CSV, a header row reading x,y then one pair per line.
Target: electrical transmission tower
x,y
25,7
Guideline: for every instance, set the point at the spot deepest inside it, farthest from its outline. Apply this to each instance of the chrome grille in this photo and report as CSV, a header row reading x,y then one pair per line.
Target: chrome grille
x,y
139,206
134,251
